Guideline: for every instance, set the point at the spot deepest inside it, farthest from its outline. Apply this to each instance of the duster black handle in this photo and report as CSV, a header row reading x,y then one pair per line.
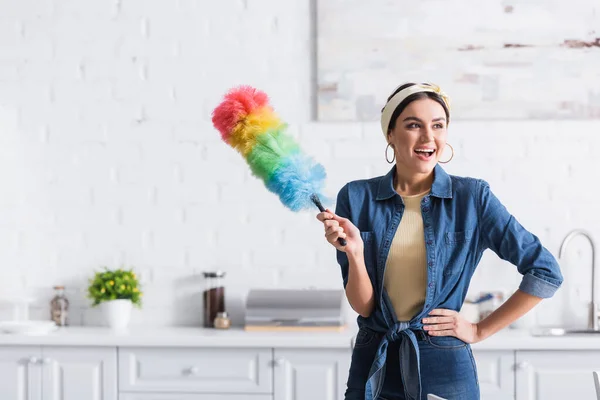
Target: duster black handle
x,y
317,202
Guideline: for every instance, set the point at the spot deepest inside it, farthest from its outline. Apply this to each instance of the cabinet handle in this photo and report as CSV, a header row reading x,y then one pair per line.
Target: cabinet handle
x,y
278,362
192,371
33,360
522,365
46,361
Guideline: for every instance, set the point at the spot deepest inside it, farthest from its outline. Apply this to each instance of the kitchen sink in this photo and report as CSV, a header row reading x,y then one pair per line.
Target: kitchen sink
x,y
564,332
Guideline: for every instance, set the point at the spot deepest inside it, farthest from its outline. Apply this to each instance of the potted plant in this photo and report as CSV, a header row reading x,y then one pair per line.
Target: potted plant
x,y
116,292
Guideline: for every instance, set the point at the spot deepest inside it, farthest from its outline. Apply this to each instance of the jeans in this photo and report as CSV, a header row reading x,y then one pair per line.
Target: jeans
x,y
447,368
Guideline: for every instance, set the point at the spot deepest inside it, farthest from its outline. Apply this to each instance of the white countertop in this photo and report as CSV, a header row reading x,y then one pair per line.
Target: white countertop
x,y
183,337
516,339
508,339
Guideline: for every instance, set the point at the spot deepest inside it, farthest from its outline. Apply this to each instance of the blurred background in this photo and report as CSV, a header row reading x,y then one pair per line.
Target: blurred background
x,y
108,156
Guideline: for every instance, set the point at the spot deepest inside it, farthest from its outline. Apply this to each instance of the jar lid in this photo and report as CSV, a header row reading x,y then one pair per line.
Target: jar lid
x,y
59,287
214,274
222,314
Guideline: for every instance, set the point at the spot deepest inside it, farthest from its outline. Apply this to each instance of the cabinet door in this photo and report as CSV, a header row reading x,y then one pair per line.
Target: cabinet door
x,y
182,396
20,373
308,374
556,375
495,370
76,373
196,370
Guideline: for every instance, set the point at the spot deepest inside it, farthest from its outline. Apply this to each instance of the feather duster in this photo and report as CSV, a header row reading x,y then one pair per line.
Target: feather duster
x,y
248,123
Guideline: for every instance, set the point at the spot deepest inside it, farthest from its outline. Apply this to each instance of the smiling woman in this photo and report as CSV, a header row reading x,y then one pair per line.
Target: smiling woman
x,y
414,121
414,238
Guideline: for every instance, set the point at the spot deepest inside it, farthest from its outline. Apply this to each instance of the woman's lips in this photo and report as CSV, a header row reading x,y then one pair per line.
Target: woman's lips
x,y
425,154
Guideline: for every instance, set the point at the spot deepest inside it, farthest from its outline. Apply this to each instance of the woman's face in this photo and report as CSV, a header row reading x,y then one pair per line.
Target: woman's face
x,y
419,136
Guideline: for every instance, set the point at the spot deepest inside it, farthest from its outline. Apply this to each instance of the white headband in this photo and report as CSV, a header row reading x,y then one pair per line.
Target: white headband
x,y
390,107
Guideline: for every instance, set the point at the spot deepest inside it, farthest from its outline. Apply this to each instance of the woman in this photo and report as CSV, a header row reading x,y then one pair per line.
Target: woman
x,y
413,240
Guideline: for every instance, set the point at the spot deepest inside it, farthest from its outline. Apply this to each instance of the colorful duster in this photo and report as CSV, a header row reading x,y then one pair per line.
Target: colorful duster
x,y
249,124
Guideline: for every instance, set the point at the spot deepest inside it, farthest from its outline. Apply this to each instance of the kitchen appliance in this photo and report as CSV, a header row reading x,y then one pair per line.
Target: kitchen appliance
x,y
295,310
21,324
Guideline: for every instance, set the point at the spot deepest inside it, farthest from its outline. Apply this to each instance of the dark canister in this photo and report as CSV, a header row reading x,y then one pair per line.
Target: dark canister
x,y
213,296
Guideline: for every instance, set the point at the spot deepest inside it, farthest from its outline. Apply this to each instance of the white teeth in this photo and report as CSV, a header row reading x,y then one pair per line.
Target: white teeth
x,y
425,150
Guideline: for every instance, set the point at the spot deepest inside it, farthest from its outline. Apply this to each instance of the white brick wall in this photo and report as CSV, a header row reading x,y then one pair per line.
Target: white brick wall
x,y
108,156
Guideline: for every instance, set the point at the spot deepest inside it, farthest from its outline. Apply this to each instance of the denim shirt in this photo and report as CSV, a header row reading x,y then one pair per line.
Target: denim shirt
x,y
461,219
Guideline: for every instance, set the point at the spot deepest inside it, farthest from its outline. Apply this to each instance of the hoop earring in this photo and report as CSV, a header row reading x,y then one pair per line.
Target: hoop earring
x,y
451,157
386,154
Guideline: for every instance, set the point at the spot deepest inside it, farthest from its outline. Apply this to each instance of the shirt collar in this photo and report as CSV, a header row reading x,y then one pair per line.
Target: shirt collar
x,y
442,184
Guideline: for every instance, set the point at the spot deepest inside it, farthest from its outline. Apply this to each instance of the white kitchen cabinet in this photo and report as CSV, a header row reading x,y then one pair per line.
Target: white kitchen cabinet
x,y
556,375
20,373
183,396
75,373
496,374
195,370
58,373
307,374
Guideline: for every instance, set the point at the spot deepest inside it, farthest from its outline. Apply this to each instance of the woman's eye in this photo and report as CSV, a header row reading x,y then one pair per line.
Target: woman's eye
x,y
412,126
438,126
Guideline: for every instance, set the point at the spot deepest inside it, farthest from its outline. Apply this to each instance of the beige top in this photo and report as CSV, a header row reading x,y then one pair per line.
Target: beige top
x,y
406,266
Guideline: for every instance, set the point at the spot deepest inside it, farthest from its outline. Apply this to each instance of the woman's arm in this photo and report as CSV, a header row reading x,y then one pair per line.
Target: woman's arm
x,y
501,232
359,289
517,305
357,283
443,322
358,286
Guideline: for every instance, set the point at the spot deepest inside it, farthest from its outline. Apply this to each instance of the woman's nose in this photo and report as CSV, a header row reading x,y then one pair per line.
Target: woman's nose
x,y
427,135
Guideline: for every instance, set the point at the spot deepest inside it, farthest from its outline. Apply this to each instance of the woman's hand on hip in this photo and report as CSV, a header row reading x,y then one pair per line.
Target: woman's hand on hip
x,y
339,227
444,322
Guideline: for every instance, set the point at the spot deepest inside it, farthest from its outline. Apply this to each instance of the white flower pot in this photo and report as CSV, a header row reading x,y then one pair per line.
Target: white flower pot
x,y
117,313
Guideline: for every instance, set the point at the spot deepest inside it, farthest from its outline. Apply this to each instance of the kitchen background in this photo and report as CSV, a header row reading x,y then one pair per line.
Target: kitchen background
x,y
108,156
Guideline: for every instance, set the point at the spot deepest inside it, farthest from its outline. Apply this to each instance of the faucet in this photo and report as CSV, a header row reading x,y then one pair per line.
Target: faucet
x,y
593,313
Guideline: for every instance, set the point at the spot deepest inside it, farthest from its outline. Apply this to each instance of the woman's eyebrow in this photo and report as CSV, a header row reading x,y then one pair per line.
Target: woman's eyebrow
x,y
421,121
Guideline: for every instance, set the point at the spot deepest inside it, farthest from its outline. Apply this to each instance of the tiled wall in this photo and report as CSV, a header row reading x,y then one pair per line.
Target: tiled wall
x,y
108,157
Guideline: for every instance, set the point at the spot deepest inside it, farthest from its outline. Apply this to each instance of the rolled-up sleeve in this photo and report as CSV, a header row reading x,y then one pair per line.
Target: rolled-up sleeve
x,y
342,209
503,234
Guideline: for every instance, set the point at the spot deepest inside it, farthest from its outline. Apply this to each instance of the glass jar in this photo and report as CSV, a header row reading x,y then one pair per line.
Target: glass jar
x,y
213,297
493,301
222,321
59,307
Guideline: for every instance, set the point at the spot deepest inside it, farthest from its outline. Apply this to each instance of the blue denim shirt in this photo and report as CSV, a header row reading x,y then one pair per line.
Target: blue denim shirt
x,y
461,219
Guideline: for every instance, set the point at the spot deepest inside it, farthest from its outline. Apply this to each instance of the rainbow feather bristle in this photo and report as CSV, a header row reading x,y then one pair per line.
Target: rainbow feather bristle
x,y
237,105
249,124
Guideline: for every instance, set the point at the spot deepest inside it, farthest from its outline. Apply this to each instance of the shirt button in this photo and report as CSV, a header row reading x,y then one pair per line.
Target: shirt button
x,y
425,200
429,242
426,209
426,305
431,263
430,284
